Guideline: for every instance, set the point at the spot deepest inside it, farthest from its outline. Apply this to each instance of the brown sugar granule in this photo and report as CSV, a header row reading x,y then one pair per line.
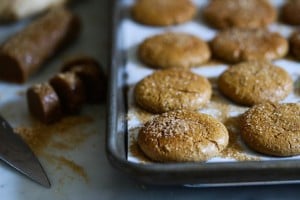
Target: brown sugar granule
x,y
74,167
234,149
61,162
38,136
137,152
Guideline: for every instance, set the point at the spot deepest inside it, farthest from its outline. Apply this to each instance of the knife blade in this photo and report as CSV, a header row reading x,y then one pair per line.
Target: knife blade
x,y
16,153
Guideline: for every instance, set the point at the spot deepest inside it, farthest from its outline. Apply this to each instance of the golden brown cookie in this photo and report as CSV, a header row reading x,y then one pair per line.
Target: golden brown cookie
x,y
272,129
239,13
290,12
255,82
173,50
172,89
163,12
236,45
294,42
182,136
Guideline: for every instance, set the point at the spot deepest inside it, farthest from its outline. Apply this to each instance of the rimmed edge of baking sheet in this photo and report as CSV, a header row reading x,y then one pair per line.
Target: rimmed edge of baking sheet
x,y
189,174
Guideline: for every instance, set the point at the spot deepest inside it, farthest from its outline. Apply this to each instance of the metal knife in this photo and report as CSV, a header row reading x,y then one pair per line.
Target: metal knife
x,y
16,153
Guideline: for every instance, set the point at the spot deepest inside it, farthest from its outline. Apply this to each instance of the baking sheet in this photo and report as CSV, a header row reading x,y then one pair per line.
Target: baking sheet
x,y
70,151
224,110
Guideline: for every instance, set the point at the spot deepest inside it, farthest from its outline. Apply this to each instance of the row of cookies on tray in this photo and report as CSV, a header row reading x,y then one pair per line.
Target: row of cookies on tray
x,y
220,14
235,45
176,96
179,133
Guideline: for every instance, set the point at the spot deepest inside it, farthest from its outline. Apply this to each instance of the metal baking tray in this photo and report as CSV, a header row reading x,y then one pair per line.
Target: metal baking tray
x,y
192,174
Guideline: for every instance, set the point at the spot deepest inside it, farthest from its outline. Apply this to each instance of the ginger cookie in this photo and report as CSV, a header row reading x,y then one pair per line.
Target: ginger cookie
x,y
255,82
172,89
163,12
239,13
272,129
290,12
174,50
236,45
294,42
182,136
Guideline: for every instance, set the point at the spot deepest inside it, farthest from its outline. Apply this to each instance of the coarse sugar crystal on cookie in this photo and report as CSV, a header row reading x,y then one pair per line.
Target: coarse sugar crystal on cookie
x,y
173,50
237,45
272,129
290,12
255,82
182,136
163,12
239,13
172,89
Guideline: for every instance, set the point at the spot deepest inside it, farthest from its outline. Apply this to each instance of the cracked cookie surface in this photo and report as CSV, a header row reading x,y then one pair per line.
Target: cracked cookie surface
x,y
272,129
237,45
239,13
163,12
173,50
255,82
172,89
182,136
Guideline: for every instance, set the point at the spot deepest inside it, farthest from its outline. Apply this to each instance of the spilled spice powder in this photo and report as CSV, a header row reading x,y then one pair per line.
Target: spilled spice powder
x,y
64,135
74,167
234,149
142,115
61,161
38,136
135,149
138,153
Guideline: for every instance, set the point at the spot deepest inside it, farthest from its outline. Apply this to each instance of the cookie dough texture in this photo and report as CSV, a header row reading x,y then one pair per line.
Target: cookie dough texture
x,y
163,12
294,42
172,89
272,129
43,103
239,13
182,136
236,45
174,50
290,12
255,82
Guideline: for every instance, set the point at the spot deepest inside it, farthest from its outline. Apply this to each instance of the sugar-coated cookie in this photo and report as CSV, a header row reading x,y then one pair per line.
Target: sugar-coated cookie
x,y
239,13
236,45
182,136
174,50
255,82
163,12
272,129
172,89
